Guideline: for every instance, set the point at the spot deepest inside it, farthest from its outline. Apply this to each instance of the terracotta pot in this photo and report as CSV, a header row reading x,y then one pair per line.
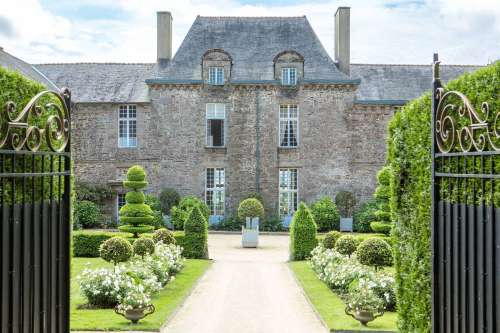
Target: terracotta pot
x,y
135,315
364,317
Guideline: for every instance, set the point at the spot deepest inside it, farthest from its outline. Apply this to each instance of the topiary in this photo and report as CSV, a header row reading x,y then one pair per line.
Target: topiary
x,y
181,212
196,235
87,214
382,194
135,214
331,238
302,233
345,201
326,214
364,215
168,198
144,246
374,252
250,207
381,227
346,245
115,250
164,235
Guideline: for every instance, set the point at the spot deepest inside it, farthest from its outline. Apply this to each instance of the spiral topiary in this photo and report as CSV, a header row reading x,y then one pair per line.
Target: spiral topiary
x,y
346,245
144,246
135,214
250,207
374,252
164,235
331,238
115,250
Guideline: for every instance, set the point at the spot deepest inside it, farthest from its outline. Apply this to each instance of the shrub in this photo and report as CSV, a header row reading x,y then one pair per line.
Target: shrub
x,y
181,212
169,198
345,201
272,224
135,214
87,244
104,287
302,233
250,208
87,214
374,252
96,193
143,246
164,235
325,214
364,215
254,195
116,250
331,238
381,227
153,202
196,235
409,156
229,223
346,245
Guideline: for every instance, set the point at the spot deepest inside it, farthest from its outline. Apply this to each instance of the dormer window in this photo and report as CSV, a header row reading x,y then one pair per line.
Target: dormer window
x,y
288,76
216,76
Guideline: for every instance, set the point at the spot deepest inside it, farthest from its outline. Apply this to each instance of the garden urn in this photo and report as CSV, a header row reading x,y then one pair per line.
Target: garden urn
x,y
364,317
136,314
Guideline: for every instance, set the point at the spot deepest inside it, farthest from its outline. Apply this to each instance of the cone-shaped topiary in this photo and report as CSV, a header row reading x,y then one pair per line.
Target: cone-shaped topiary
x,y
196,235
135,215
302,233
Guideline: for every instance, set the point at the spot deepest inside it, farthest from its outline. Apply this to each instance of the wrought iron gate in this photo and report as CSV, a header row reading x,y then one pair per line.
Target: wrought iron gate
x,y
466,220
35,191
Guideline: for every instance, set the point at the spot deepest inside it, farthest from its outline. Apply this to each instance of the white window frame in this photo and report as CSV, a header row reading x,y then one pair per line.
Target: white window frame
x,y
215,111
127,141
289,191
287,79
288,120
218,189
216,75
118,204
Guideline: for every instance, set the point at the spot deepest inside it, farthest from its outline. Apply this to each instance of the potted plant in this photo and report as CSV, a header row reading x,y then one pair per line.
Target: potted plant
x,y
135,305
250,210
364,305
345,201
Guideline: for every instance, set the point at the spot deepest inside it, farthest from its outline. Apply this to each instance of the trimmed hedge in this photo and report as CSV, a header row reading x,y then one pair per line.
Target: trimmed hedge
x,y
302,233
87,243
196,235
409,146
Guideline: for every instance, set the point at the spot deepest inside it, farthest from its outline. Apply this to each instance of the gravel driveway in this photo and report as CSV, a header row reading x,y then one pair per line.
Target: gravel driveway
x,y
246,291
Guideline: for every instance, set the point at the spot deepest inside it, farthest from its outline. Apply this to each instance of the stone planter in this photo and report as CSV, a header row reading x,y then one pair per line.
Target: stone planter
x,y
364,317
346,224
250,233
135,315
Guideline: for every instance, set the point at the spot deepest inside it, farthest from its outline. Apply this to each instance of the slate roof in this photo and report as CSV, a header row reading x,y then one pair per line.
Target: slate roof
x,y
10,62
101,82
252,42
396,84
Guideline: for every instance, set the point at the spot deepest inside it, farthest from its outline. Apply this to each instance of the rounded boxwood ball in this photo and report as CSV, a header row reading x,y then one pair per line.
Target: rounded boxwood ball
x,y
346,245
250,208
374,252
144,246
164,235
136,173
116,250
331,238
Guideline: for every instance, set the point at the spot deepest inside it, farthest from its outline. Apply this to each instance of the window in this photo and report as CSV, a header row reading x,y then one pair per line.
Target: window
x,y
120,202
288,192
127,127
288,76
214,192
216,76
289,121
216,113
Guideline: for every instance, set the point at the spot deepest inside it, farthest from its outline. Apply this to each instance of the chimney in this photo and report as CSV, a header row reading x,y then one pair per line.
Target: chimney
x,y
164,36
342,39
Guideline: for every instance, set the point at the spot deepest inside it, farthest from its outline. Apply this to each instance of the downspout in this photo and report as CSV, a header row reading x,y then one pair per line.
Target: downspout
x,y
257,141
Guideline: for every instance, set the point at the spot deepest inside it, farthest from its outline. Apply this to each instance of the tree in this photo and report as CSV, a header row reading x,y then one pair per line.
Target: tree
x,y
326,214
302,233
196,235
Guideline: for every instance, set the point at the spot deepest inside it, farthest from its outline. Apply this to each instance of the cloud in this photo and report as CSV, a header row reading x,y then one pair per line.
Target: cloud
x,y
6,27
382,31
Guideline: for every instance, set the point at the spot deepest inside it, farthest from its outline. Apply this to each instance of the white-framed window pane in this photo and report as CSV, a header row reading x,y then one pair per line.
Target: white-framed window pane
x,y
288,125
215,114
288,198
288,76
216,75
127,126
120,202
215,191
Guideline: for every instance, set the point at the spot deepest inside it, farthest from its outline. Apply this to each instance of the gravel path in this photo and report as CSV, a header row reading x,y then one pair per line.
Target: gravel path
x,y
246,291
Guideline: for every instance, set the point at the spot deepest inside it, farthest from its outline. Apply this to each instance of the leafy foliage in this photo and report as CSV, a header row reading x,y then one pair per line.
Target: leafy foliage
x,y
181,212
381,227
164,235
143,246
93,192
326,214
87,214
196,235
331,238
302,233
364,215
346,245
169,198
345,201
152,201
374,252
116,250
250,208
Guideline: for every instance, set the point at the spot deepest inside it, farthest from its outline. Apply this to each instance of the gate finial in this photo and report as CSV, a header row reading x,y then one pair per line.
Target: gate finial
x,y
435,66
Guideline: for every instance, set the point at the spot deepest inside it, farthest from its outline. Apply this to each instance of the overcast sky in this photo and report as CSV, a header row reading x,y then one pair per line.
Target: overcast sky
x,y
382,31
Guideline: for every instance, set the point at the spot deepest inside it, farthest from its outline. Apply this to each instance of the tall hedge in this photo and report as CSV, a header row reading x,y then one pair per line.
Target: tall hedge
x,y
302,233
409,145
196,235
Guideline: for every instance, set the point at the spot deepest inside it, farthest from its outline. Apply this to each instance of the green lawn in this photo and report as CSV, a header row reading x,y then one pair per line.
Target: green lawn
x,y
330,307
165,302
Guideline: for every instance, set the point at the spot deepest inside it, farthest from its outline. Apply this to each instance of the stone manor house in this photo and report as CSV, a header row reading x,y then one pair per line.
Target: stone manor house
x,y
247,104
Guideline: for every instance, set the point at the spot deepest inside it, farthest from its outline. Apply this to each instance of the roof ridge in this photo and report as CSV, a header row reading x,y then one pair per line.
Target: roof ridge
x,y
252,17
446,65
95,63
